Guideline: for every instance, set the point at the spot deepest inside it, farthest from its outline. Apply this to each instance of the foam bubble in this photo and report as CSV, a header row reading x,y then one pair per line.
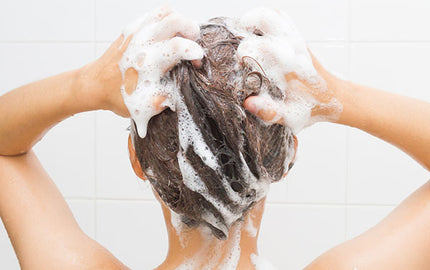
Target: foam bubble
x,y
192,181
261,263
152,51
179,226
232,259
250,228
271,38
189,134
215,253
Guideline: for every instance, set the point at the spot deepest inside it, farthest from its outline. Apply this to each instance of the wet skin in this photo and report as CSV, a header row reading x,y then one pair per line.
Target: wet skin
x,y
45,234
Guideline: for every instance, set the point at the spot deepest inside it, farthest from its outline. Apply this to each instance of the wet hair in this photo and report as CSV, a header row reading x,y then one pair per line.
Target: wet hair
x,y
245,148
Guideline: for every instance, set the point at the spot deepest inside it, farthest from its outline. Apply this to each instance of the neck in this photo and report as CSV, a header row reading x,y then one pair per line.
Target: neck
x,y
197,248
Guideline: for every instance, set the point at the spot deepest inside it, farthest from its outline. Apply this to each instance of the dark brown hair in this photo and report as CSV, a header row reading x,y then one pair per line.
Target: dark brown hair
x,y
213,96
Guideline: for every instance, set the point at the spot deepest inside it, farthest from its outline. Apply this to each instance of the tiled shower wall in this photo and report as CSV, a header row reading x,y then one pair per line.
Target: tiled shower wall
x,y
344,180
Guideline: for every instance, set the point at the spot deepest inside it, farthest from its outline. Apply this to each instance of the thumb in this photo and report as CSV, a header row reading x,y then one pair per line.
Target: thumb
x,y
264,108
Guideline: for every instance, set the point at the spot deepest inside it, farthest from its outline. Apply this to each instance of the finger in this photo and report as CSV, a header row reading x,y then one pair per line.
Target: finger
x,y
262,108
179,49
117,42
176,24
291,76
130,84
130,80
316,88
197,63
115,45
301,84
157,102
125,44
315,62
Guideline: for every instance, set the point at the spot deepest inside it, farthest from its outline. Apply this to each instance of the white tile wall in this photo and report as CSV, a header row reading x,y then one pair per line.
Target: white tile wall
x,y
7,254
134,231
390,20
400,67
293,235
362,218
68,154
24,62
379,173
314,177
344,180
115,176
84,210
47,20
331,15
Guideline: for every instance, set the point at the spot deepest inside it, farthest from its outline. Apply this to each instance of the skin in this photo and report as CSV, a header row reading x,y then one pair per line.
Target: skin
x,y
45,235
39,222
198,244
207,249
402,239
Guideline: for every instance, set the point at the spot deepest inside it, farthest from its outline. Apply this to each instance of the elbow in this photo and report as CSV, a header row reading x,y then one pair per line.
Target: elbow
x,y
5,152
12,150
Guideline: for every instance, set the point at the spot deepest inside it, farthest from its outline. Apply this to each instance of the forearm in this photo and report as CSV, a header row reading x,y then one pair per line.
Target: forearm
x,y
29,111
401,121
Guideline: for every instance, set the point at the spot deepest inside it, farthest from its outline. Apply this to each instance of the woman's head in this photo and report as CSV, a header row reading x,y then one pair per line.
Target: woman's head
x,y
211,160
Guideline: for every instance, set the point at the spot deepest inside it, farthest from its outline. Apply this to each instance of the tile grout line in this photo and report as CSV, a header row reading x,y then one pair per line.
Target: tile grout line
x,y
322,204
95,132
327,42
46,41
312,204
348,42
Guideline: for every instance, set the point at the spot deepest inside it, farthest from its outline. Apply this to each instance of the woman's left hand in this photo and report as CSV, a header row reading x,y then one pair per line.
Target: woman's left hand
x,y
101,80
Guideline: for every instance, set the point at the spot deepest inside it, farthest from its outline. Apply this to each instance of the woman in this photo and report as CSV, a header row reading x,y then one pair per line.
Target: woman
x,y
45,235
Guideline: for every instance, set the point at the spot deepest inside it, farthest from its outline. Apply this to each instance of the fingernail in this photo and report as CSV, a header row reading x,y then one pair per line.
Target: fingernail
x,y
250,106
197,63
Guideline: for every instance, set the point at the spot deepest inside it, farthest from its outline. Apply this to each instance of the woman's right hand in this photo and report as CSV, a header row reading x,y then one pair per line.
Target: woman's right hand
x,y
277,46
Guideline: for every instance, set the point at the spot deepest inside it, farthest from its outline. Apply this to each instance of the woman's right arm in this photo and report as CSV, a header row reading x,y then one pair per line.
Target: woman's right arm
x,y
402,239
401,121
313,94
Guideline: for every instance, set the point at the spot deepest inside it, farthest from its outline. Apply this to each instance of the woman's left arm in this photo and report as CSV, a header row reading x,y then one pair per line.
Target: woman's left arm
x,y
39,223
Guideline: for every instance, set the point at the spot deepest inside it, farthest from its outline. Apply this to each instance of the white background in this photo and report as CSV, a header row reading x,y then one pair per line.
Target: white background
x,y
344,180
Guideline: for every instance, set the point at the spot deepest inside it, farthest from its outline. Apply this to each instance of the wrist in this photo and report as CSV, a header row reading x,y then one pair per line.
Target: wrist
x,y
348,96
85,90
342,91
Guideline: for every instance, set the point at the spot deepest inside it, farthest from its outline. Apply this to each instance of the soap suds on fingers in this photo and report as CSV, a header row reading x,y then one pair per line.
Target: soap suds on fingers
x,y
272,39
153,50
